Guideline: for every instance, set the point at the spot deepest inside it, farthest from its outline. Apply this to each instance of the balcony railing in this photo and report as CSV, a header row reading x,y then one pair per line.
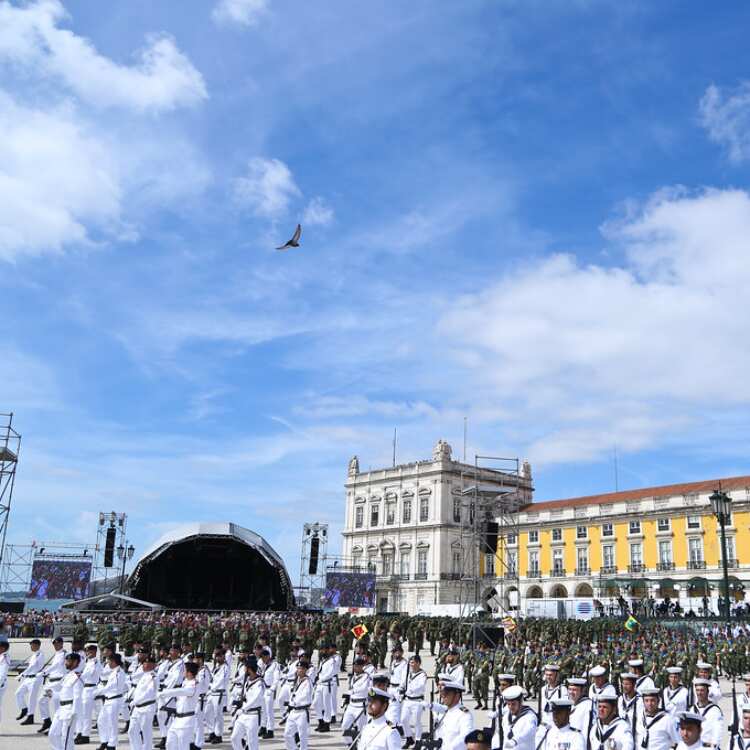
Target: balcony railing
x,y
636,568
401,576
608,570
510,575
488,574
534,573
449,577
420,576
732,562
665,566
696,564
583,571
558,573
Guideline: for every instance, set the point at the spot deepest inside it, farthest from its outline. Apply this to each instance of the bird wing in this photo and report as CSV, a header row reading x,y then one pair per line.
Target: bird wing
x,y
297,233
284,246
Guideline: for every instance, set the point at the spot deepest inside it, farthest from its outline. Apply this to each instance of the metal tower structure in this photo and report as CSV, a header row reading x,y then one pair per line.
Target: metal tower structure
x,y
493,491
111,526
313,561
10,446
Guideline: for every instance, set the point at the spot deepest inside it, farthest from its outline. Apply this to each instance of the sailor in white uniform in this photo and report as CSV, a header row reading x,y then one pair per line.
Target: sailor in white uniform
x,y
558,734
397,673
742,740
690,731
656,729
247,724
610,731
355,713
712,728
181,730
599,681
217,690
62,729
519,722
456,720
553,689
53,674
743,699
298,715
271,673
113,692
30,681
582,712
378,733
629,704
4,669
143,706
90,676
322,696
413,697
675,696
453,667
705,671
642,681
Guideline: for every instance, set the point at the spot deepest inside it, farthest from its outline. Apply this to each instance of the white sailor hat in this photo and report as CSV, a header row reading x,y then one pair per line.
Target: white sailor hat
x,y
378,693
703,665
597,671
561,703
451,685
674,670
649,691
580,681
512,693
702,681
690,716
507,677
383,676
551,667
635,662
301,652
608,694
746,708
628,676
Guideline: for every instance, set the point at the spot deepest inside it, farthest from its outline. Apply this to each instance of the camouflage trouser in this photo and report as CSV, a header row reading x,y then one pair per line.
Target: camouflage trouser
x,y
531,682
480,689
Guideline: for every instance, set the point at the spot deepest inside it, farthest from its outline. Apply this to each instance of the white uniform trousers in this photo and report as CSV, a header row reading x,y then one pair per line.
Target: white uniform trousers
x,y
164,719
393,713
83,725
141,729
283,694
200,721
298,722
2,695
107,724
334,696
62,731
268,701
322,702
411,718
214,718
27,693
245,728
48,705
354,714
181,733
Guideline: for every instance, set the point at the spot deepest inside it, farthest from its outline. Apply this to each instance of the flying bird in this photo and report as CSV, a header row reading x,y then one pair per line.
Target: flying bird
x,y
294,242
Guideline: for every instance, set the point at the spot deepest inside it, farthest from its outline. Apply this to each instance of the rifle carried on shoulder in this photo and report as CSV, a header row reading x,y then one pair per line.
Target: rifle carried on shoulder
x,y
735,727
430,743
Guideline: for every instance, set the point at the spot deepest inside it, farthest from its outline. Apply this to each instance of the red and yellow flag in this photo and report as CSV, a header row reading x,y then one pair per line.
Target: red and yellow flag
x,y
360,631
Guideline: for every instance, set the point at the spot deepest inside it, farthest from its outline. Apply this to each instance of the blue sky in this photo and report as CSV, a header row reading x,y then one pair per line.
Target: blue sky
x,y
534,214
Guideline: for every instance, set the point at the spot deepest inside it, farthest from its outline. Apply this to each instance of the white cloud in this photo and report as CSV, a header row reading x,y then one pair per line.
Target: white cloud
x,y
318,213
162,80
240,12
727,119
267,189
634,352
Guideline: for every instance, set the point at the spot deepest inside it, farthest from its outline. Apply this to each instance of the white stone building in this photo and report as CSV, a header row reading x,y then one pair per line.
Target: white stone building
x,y
405,523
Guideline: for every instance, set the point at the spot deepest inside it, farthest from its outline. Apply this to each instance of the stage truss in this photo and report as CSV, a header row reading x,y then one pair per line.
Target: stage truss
x,y
484,571
312,584
10,446
101,575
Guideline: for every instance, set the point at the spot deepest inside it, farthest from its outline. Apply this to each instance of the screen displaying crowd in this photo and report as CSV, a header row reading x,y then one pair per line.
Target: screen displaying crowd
x,y
349,590
59,579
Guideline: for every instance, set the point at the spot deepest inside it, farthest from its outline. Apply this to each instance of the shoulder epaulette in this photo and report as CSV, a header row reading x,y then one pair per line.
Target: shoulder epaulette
x,y
464,709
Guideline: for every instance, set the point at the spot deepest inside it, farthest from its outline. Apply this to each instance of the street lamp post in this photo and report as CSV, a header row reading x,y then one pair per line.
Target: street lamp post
x,y
721,505
125,552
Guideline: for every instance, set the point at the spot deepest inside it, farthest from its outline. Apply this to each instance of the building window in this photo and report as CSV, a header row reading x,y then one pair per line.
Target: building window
x,y
374,515
422,562
405,564
695,550
387,563
356,560
635,527
456,510
730,550
407,511
662,524
694,522
665,552
456,562
512,537
556,535
607,529
534,564
608,556
489,564
390,514
582,532
359,517
533,537
424,508
557,562
512,563
636,556
583,561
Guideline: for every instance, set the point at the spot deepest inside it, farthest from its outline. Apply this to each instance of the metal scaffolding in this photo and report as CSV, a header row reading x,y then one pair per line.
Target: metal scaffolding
x,y
101,574
10,446
314,547
492,493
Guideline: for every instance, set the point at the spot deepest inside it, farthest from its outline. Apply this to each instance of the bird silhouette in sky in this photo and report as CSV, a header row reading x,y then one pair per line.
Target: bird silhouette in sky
x,y
294,242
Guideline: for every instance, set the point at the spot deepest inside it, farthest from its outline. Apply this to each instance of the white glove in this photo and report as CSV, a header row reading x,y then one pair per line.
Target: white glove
x,y
427,705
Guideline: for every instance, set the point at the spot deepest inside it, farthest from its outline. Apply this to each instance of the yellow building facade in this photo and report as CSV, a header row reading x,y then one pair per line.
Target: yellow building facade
x,y
657,541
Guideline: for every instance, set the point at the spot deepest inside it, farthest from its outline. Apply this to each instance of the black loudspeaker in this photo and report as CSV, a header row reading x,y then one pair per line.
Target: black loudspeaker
x,y
314,545
490,537
493,636
109,547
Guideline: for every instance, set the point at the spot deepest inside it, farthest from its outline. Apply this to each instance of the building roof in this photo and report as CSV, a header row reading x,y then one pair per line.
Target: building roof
x,y
667,490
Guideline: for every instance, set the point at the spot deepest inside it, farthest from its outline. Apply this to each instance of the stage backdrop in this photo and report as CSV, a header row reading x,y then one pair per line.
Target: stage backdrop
x,y
59,579
349,590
